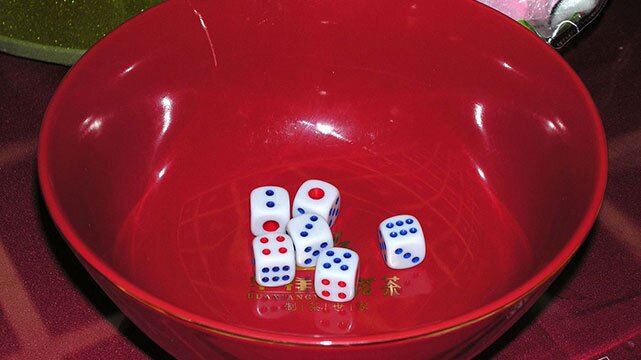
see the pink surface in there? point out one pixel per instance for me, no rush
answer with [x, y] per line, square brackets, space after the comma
[516, 9]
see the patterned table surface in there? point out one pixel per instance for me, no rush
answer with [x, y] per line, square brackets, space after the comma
[50, 308]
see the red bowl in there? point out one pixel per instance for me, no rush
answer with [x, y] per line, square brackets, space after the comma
[442, 109]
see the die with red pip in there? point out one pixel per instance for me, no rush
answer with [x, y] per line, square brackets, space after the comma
[269, 206]
[274, 260]
[336, 274]
[319, 197]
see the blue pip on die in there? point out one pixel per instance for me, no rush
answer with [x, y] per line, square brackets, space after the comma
[401, 241]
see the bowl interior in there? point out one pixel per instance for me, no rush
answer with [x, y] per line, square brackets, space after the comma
[448, 112]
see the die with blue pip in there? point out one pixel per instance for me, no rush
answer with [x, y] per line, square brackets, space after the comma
[401, 241]
[311, 235]
[269, 210]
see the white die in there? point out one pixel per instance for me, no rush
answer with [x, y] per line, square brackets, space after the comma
[318, 197]
[273, 259]
[402, 242]
[336, 275]
[269, 207]
[311, 235]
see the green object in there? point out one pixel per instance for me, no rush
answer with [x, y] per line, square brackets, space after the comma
[61, 31]
[528, 26]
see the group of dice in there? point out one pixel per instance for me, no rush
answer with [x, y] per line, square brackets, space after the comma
[305, 239]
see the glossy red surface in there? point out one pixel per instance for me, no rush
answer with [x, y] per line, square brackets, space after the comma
[154, 140]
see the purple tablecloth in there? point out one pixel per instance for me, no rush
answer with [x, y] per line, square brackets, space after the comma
[50, 308]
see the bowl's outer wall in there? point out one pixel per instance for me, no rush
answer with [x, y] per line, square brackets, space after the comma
[185, 340]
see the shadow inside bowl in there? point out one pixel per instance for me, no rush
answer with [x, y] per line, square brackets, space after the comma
[87, 286]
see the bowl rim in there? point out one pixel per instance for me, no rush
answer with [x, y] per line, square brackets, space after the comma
[154, 303]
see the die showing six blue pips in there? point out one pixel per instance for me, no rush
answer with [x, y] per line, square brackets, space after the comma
[304, 239]
[401, 241]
